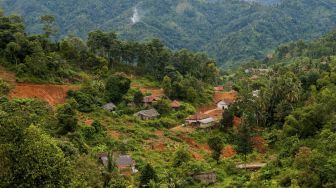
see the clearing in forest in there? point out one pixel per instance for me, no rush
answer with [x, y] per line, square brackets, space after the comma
[53, 94]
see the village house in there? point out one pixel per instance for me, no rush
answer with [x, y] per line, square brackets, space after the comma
[252, 166]
[200, 120]
[206, 177]
[148, 100]
[175, 104]
[109, 107]
[147, 114]
[103, 157]
[224, 104]
[124, 163]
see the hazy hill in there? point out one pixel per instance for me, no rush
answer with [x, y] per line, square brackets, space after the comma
[229, 30]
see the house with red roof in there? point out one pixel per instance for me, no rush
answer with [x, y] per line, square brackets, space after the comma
[200, 120]
[148, 100]
[175, 104]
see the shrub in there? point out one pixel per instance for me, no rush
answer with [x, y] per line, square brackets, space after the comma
[4, 88]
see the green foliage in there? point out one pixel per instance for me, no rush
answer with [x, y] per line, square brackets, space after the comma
[67, 118]
[181, 156]
[85, 102]
[148, 174]
[206, 25]
[216, 145]
[117, 86]
[43, 163]
[138, 98]
[49, 28]
[227, 120]
[163, 106]
[4, 88]
[243, 138]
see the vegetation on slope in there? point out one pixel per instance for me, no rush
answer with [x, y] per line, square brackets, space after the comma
[289, 123]
[230, 31]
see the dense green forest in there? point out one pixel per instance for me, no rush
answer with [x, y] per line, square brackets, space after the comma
[285, 106]
[229, 30]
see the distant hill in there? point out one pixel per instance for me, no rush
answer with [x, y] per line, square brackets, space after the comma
[229, 30]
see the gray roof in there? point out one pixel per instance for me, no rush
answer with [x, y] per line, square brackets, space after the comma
[109, 106]
[124, 160]
[207, 120]
[148, 113]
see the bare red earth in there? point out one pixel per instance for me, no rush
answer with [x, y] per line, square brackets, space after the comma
[229, 151]
[259, 143]
[88, 122]
[197, 156]
[236, 122]
[53, 94]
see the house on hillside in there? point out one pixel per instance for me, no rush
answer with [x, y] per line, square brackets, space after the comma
[206, 177]
[147, 114]
[109, 107]
[175, 104]
[252, 166]
[224, 104]
[148, 100]
[124, 163]
[103, 157]
[219, 88]
[200, 120]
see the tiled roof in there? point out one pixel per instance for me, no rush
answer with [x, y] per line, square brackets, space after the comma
[149, 113]
[175, 104]
[124, 160]
[198, 116]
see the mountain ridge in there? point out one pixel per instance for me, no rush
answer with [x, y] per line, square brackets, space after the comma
[230, 31]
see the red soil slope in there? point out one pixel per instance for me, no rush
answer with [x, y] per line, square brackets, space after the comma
[53, 94]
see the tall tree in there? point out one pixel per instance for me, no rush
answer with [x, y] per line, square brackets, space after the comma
[67, 118]
[49, 27]
[227, 120]
[243, 138]
[116, 86]
[148, 174]
[216, 145]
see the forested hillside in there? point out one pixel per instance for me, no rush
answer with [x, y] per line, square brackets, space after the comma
[138, 114]
[229, 30]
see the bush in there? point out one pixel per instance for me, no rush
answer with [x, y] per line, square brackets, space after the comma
[116, 86]
[286, 181]
[4, 88]
[67, 118]
[86, 102]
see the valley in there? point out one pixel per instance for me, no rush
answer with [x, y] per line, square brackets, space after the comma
[121, 109]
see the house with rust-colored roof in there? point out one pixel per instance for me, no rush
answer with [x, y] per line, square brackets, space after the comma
[175, 104]
[148, 100]
[200, 120]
